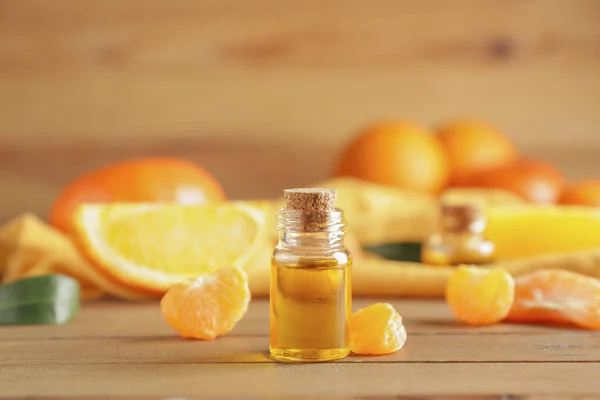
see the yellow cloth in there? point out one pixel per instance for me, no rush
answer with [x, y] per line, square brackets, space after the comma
[379, 214]
[29, 247]
[376, 215]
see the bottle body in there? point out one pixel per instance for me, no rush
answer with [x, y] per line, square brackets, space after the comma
[461, 239]
[310, 296]
[456, 249]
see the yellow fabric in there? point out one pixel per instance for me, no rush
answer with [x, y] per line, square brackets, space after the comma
[376, 215]
[30, 247]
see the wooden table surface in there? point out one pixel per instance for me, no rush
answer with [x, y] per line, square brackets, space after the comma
[126, 351]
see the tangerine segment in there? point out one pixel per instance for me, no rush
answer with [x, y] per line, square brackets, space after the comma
[153, 246]
[557, 296]
[207, 306]
[479, 296]
[376, 329]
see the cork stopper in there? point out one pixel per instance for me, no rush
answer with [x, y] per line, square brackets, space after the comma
[462, 217]
[315, 204]
[310, 199]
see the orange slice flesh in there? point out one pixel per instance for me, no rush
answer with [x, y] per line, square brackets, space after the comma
[208, 306]
[557, 296]
[153, 246]
[376, 329]
[480, 296]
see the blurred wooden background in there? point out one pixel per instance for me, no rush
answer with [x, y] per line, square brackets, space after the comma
[263, 93]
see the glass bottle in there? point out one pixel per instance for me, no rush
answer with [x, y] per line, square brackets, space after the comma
[310, 296]
[461, 239]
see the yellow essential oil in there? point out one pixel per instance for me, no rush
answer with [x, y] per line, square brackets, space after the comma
[311, 299]
[461, 239]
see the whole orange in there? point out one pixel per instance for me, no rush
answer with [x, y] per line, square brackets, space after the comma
[533, 180]
[138, 180]
[586, 193]
[396, 153]
[473, 147]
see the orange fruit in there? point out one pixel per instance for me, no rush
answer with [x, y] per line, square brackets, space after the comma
[557, 296]
[397, 153]
[480, 296]
[376, 329]
[535, 181]
[153, 246]
[139, 180]
[473, 147]
[586, 193]
[207, 306]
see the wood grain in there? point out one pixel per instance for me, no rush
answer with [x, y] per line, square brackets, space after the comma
[348, 397]
[170, 349]
[130, 320]
[273, 380]
[83, 68]
[125, 349]
[253, 91]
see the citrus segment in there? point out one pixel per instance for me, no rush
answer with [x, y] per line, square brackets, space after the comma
[152, 246]
[376, 329]
[479, 296]
[557, 296]
[207, 306]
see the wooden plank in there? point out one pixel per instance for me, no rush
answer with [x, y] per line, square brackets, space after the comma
[322, 107]
[124, 349]
[170, 349]
[104, 70]
[143, 320]
[250, 91]
[275, 380]
[32, 176]
[298, 33]
[349, 397]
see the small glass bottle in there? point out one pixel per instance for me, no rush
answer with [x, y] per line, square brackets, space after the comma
[461, 239]
[311, 298]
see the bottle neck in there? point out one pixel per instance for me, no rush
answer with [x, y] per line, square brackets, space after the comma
[315, 231]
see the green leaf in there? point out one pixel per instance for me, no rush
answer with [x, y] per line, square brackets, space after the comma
[408, 251]
[46, 299]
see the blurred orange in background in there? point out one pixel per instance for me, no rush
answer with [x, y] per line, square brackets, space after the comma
[399, 153]
[137, 180]
[460, 154]
[474, 147]
[536, 181]
[585, 193]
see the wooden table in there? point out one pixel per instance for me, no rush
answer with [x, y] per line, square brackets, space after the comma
[126, 351]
